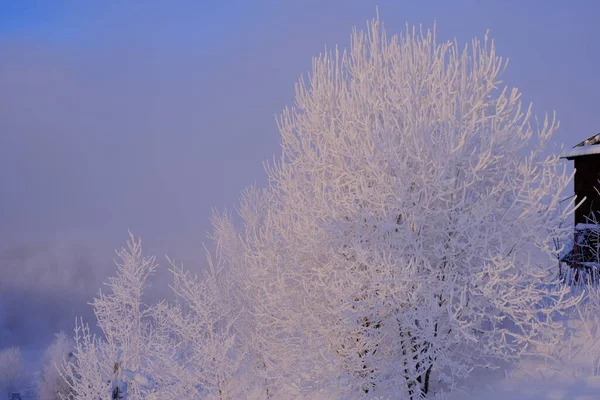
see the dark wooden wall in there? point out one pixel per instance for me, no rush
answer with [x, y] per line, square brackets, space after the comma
[587, 175]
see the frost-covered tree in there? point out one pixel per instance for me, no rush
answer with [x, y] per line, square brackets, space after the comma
[182, 350]
[12, 369]
[58, 355]
[406, 232]
[130, 341]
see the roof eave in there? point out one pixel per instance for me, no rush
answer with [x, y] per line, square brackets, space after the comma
[581, 152]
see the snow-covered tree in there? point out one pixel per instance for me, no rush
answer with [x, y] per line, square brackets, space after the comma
[129, 336]
[185, 350]
[406, 233]
[12, 369]
[58, 355]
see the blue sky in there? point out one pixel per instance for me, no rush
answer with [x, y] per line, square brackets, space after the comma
[144, 115]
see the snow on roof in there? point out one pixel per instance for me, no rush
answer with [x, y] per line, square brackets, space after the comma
[588, 147]
[582, 226]
[581, 151]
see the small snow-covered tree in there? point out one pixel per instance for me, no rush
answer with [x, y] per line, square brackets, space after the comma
[12, 369]
[58, 355]
[185, 350]
[129, 335]
[407, 230]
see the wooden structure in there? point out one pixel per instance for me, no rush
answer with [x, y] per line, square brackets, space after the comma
[586, 156]
[583, 253]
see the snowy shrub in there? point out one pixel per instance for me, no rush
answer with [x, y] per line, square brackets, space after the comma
[581, 254]
[406, 233]
[12, 369]
[58, 355]
[577, 354]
